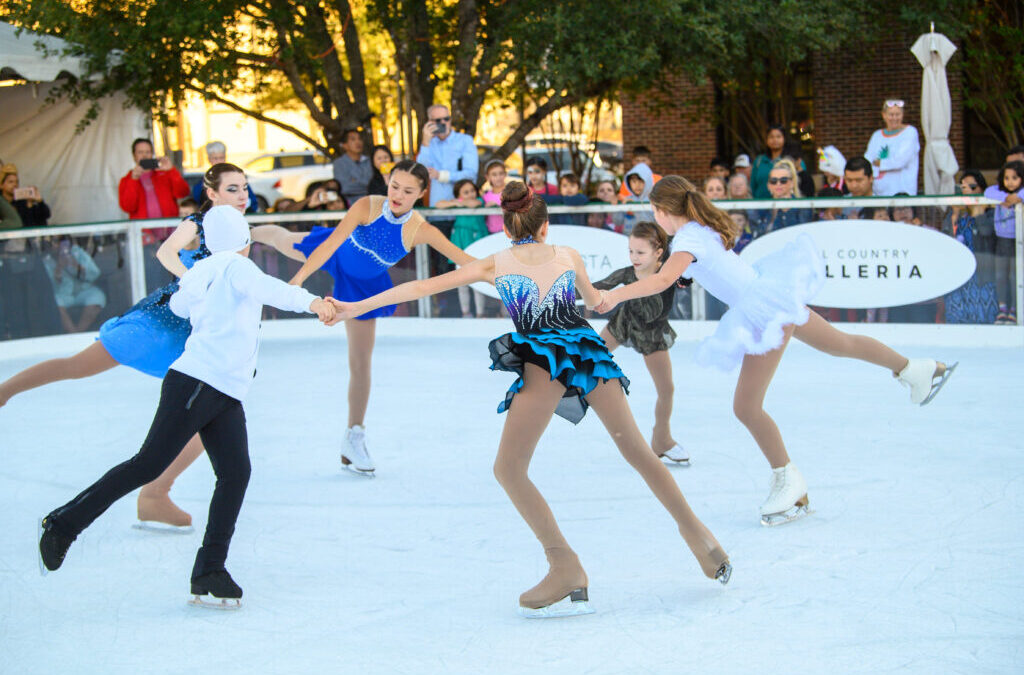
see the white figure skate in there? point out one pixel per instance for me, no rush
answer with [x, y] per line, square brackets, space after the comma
[920, 376]
[354, 456]
[574, 604]
[787, 500]
[676, 456]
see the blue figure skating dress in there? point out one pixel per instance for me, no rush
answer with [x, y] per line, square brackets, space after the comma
[360, 265]
[550, 332]
[149, 337]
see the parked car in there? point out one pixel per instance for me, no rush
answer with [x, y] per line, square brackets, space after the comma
[290, 172]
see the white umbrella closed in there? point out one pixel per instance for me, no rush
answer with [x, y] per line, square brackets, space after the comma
[933, 50]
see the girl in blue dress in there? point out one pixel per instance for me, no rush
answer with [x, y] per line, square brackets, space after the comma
[148, 337]
[563, 368]
[376, 233]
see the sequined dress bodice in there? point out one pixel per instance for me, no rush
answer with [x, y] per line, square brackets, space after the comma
[373, 248]
[520, 286]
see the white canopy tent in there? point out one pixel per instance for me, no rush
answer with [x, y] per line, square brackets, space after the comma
[76, 173]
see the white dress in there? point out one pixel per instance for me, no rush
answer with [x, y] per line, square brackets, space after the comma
[763, 298]
[898, 161]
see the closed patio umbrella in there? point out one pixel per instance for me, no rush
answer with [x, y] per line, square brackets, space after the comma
[933, 50]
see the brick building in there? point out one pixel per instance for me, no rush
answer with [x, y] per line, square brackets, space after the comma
[846, 95]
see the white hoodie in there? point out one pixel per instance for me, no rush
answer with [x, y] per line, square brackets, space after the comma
[223, 297]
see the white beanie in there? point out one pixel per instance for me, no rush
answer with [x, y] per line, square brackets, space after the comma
[830, 160]
[225, 230]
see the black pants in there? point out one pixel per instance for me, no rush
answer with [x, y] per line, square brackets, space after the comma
[187, 406]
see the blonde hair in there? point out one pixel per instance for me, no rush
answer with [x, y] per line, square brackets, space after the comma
[679, 197]
[790, 167]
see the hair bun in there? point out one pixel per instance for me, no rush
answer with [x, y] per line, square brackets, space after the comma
[515, 200]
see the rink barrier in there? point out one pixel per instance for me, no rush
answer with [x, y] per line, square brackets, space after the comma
[133, 231]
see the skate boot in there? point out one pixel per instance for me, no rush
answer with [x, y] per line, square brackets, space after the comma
[53, 545]
[563, 592]
[354, 456]
[160, 514]
[220, 586]
[920, 375]
[787, 499]
[676, 456]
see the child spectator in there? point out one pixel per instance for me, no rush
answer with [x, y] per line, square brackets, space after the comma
[537, 179]
[1007, 190]
[187, 207]
[641, 155]
[832, 165]
[496, 174]
[639, 183]
[830, 213]
[607, 192]
[569, 188]
[719, 168]
[465, 231]
[714, 187]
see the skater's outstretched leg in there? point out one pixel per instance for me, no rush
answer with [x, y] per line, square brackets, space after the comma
[918, 374]
[361, 336]
[281, 239]
[154, 503]
[92, 360]
[609, 402]
[748, 402]
[526, 420]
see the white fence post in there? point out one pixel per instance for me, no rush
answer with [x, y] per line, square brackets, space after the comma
[423, 272]
[1018, 215]
[136, 261]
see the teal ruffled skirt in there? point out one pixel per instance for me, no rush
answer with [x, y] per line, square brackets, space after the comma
[576, 357]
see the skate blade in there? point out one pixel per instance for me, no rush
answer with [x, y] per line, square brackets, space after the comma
[724, 573]
[938, 385]
[787, 516]
[215, 603]
[162, 528]
[39, 554]
[574, 604]
[349, 466]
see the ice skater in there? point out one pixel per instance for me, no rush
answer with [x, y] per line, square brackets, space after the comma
[642, 325]
[149, 337]
[222, 296]
[374, 235]
[564, 368]
[767, 305]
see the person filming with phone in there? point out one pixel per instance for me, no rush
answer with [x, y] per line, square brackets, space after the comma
[153, 186]
[26, 200]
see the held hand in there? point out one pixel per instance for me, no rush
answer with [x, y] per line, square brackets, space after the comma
[165, 164]
[324, 310]
[345, 311]
[608, 302]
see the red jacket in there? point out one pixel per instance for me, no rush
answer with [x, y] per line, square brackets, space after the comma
[169, 186]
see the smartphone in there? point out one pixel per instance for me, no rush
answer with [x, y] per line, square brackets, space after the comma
[24, 193]
[149, 164]
[330, 196]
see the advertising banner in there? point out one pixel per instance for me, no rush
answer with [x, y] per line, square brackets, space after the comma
[870, 263]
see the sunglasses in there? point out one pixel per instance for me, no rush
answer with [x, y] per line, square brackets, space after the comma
[969, 186]
[894, 102]
[534, 170]
[439, 120]
[777, 181]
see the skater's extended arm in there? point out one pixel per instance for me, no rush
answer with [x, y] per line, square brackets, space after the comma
[477, 270]
[432, 237]
[616, 278]
[358, 215]
[249, 280]
[167, 254]
[656, 283]
[591, 296]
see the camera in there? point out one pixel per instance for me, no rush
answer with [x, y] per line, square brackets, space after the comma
[149, 164]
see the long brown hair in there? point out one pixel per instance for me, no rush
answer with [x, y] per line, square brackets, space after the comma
[212, 180]
[679, 197]
[523, 211]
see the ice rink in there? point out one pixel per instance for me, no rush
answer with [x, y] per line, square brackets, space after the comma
[910, 563]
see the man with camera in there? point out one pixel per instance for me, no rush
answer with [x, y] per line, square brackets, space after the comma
[153, 187]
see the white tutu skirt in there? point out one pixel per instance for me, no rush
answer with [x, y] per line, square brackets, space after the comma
[786, 281]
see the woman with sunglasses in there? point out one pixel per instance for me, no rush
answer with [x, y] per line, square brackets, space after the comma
[782, 184]
[974, 227]
[893, 152]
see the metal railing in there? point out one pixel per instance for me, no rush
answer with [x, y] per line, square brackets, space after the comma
[128, 237]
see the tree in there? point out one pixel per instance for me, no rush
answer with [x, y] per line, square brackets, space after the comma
[229, 51]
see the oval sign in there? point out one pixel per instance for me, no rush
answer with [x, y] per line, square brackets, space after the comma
[871, 263]
[603, 251]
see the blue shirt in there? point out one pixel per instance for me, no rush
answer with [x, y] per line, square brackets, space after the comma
[455, 154]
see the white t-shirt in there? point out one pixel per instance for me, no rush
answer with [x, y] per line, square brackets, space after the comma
[722, 273]
[898, 161]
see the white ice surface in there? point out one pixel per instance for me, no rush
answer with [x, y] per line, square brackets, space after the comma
[911, 561]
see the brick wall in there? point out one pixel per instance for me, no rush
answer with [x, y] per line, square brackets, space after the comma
[848, 94]
[681, 141]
